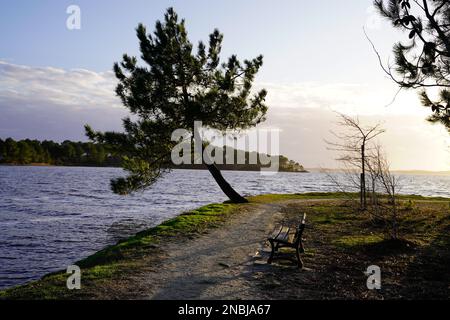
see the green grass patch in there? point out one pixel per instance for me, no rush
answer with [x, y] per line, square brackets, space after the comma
[358, 240]
[325, 216]
[421, 198]
[269, 198]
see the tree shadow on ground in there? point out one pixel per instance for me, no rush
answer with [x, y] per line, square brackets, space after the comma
[427, 276]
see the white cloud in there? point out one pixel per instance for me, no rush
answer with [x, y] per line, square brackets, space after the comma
[410, 142]
[73, 88]
[305, 113]
[348, 98]
[52, 103]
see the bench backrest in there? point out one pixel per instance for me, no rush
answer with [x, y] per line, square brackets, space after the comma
[301, 227]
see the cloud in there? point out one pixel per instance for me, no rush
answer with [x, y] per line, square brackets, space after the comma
[351, 98]
[306, 114]
[75, 88]
[52, 103]
[410, 142]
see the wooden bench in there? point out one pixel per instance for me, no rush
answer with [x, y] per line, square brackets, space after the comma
[290, 237]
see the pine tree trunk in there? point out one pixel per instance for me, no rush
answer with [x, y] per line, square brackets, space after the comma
[232, 194]
[224, 185]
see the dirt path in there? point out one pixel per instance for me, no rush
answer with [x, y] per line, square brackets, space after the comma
[216, 265]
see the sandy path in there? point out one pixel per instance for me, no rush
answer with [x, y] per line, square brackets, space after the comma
[216, 265]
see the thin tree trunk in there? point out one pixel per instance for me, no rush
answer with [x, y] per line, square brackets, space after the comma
[373, 192]
[395, 223]
[363, 177]
[361, 192]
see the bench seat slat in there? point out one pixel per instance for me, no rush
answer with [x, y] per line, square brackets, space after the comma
[283, 236]
[276, 232]
[291, 237]
[290, 241]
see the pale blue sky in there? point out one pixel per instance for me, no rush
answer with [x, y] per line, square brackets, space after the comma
[301, 40]
[316, 60]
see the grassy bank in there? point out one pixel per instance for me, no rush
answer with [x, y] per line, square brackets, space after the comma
[337, 232]
[120, 259]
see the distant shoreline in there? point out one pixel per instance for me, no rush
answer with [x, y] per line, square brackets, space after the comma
[414, 172]
[28, 165]
[307, 170]
[179, 168]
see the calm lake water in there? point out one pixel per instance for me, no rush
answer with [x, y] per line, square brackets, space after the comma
[51, 217]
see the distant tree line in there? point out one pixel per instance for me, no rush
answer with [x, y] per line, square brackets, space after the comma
[69, 153]
[290, 165]
[49, 152]
[285, 165]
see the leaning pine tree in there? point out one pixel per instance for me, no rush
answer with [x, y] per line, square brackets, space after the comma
[175, 88]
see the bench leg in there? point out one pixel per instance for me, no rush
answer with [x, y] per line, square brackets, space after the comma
[299, 260]
[271, 253]
[302, 248]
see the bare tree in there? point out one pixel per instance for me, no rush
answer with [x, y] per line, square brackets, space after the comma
[352, 145]
[385, 182]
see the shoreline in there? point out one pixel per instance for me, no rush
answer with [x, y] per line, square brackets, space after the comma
[307, 170]
[94, 166]
[134, 253]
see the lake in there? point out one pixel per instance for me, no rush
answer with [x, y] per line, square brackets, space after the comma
[51, 217]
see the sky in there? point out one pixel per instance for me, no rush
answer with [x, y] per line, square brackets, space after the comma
[316, 61]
